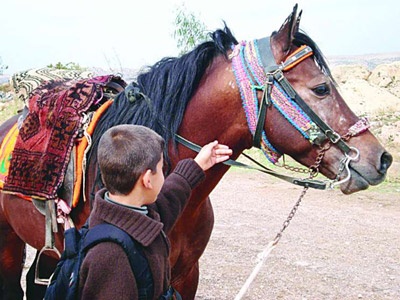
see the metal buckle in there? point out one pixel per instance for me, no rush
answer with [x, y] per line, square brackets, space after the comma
[333, 136]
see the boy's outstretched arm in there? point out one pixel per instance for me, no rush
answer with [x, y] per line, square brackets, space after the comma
[212, 154]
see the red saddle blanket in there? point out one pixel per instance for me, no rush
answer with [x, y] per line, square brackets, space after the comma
[47, 135]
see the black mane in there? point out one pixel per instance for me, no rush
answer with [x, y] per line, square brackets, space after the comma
[169, 84]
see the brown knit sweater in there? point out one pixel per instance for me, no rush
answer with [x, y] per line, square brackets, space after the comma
[105, 271]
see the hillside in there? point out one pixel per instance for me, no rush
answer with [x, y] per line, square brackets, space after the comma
[371, 61]
[375, 93]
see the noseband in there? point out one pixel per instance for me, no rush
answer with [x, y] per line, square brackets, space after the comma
[255, 70]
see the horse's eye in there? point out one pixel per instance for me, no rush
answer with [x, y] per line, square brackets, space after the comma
[321, 90]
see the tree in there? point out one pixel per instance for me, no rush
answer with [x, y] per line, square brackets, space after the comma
[67, 66]
[2, 66]
[189, 31]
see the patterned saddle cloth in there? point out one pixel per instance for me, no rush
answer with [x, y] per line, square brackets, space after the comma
[49, 132]
[25, 82]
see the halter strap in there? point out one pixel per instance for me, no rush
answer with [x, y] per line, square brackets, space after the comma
[251, 78]
[296, 57]
[275, 76]
[268, 60]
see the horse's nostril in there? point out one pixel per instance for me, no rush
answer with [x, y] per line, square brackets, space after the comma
[386, 161]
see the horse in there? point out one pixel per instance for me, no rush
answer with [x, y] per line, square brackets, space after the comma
[275, 93]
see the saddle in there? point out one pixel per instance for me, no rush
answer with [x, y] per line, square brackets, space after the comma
[59, 113]
[50, 141]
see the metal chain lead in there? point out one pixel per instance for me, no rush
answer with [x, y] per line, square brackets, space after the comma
[290, 216]
[296, 169]
[313, 170]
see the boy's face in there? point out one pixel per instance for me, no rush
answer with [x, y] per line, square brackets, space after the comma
[157, 179]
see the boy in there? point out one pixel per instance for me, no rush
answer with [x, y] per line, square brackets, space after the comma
[131, 161]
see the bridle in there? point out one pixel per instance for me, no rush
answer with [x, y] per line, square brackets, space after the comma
[261, 73]
[256, 70]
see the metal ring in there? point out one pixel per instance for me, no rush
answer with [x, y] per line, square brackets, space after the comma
[357, 152]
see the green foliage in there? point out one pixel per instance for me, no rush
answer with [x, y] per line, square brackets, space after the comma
[189, 31]
[67, 66]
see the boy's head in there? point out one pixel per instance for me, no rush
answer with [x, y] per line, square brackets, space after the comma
[124, 153]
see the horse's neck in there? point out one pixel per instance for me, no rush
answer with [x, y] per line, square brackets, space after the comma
[215, 113]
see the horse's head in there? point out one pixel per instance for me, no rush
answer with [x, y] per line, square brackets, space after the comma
[305, 116]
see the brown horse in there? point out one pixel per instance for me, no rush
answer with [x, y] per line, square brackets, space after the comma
[202, 96]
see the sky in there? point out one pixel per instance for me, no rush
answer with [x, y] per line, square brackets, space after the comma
[133, 34]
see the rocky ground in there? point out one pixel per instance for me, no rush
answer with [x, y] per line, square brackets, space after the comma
[336, 246]
[376, 94]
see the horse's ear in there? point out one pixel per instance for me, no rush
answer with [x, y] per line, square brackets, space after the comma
[296, 28]
[282, 40]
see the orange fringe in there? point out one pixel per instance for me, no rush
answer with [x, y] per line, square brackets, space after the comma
[6, 150]
[80, 150]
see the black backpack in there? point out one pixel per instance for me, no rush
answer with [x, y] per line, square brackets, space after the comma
[65, 279]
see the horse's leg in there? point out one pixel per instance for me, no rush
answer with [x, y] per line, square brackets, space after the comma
[11, 263]
[47, 265]
[185, 261]
[187, 286]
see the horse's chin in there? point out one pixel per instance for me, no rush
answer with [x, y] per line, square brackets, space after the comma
[357, 183]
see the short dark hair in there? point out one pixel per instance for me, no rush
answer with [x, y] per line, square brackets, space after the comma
[124, 153]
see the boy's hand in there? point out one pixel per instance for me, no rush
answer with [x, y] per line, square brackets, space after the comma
[212, 154]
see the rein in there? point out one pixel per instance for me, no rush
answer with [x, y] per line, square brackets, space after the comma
[309, 182]
[316, 184]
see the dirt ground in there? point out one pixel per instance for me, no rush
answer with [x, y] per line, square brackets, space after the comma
[336, 246]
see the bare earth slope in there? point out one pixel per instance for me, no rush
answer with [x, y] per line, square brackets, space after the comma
[336, 246]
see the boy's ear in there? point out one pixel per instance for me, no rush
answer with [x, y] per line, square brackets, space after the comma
[146, 179]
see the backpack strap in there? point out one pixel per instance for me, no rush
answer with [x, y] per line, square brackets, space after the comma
[109, 233]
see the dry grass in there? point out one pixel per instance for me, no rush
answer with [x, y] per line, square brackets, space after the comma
[9, 109]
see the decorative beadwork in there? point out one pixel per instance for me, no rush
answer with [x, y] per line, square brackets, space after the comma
[359, 127]
[250, 77]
